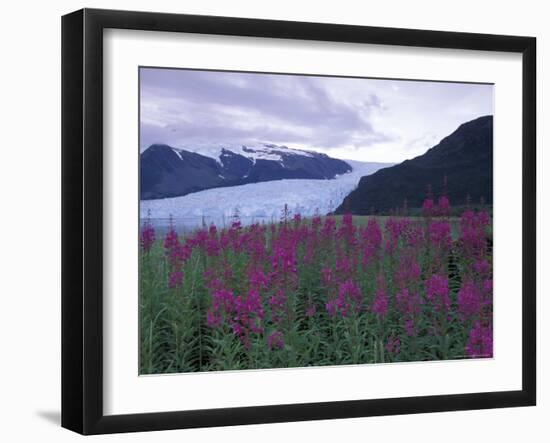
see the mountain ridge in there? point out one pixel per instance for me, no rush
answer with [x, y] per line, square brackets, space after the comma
[166, 171]
[460, 166]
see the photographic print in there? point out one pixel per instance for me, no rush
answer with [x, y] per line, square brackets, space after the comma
[292, 220]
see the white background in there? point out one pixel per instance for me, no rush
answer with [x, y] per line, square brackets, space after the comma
[30, 241]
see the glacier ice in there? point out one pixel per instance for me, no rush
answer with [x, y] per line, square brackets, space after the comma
[256, 202]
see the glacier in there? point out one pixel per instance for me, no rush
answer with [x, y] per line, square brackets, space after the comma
[256, 202]
[253, 151]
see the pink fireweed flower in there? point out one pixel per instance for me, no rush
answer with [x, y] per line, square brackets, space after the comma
[179, 254]
[223, 299]
[147, 236]
[372, 240]
[276, 340]
[349, 299]
[176, 252]
[257, 279]
[408, 272]
[381, 302]
[236, 225]
[483, 218]
[248, 308]
[437, 292]
[240, 332]
[212, 282]
[243, 314]
[311, 247]
[410, 327]
[212, 247]
[331, 307]
[256, 249]
[213, 320]
[222, 307]
[482, 267]
[347, 219]
[428, 207]
[469, 300]
[316, 221]
[472, 233]
[349, 291]
[415, 237]
[225, 240]
[440, 234]
[444, 206]
[393, 345]
[171, 240]
[347, 230]
[234, 236]
[199, 239]
[254, 243]
[278, 306]
[175, 279]
[480, 343]
[408, 302]
[395, 228]
[344, 267]
[372, 236]
[391, 246]
[402, 298]
[227, 272]
[284, 255]
[329, 227]
[369, 255]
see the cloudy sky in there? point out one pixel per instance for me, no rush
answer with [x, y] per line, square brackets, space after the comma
[356, 119]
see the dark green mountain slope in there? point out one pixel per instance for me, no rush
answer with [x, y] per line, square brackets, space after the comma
[465, 158]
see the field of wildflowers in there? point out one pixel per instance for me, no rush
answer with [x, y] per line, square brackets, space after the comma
[317, 291]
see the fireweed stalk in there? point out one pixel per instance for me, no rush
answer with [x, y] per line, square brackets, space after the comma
[147, 235]
[317, 291]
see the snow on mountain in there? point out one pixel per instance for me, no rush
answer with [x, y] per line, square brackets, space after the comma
[166, 171]
[252, 151]
[257, 202]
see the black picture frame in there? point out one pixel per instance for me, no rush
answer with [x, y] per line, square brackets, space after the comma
[82, 216]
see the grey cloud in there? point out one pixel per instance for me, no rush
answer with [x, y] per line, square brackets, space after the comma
[189, 106]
